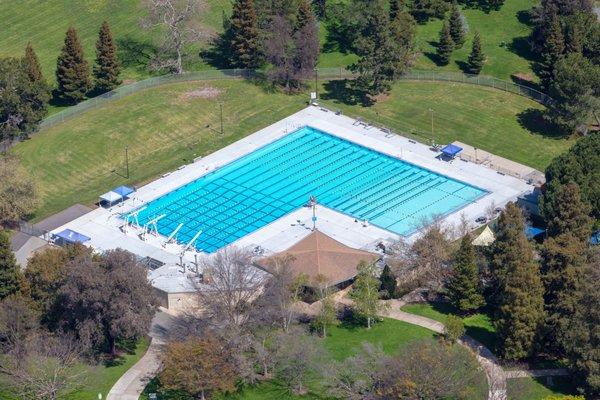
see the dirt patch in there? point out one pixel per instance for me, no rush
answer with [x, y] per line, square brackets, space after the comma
[201, 93]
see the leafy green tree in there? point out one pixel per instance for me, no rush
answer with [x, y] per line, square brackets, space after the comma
[395, 7]
[365, 293]
[382, 59]
[445, 45]
[580, 165]
[72, 70]
[245, 41]
[565, 212]
[463, 287]
[326, 317]
[564, 261]
[106, 70]
[10, 276]
[552, 50]
[519, 315]
[454, 328]
[575, 88]
[423, 10]
[476, 58]
[457, 29]
[23, 96]
[388, 283]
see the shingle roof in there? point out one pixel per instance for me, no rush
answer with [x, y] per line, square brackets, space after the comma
[320, 254]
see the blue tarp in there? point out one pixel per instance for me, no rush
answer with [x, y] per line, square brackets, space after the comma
[123, 191]
[595, 239]
[532, 231]
[451, 150]
[72, 237]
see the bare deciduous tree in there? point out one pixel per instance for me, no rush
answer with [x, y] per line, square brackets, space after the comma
[178, 19]
[229, 286]
[18, 322]
[49, 369]
[18, 192]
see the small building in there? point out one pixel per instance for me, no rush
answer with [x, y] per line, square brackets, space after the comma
[318, 254]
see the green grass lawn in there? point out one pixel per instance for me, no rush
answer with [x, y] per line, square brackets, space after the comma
[165, 127]
[44, 25]
[479, 326]
[503, 34]
[486, 118]
[101, 378]
[341, 342]
[538, 388]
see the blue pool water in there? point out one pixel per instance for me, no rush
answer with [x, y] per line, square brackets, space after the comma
[253, 191]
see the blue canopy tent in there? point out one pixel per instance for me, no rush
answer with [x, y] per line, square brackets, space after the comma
[116, 195]
[451, 150]
[69, 236]
[531, 231]
[595, 239]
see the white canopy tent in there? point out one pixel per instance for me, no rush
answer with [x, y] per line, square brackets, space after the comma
[485, 238]
[110, 197]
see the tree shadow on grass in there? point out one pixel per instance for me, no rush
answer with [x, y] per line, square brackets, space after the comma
[535, 122]
[521, 47]
[134, 53]
[342, 91]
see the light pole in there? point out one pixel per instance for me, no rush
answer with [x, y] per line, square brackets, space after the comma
[432, 134]
[317, 83]
[313, 204]
[221, 108]
[127, 160]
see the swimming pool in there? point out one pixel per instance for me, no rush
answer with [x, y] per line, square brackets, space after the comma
[255, 190]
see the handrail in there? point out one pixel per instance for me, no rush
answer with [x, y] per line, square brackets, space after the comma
[323, 73]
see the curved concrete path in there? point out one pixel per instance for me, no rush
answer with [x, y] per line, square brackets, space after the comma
[132, 383]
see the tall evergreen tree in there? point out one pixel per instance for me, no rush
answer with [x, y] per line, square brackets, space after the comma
[563, 266]
[463, 287]
[106, 70]
[520, 304]
[245, 43]
[10, 276]
[32, 65]
[457, 29]
[565, 212]
[573, 39]
[445, 45]
[553, 50]
[388, 282]
[476, 58]
[381, 57]
[72, 71]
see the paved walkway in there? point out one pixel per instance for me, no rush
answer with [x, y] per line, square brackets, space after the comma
[133, 382]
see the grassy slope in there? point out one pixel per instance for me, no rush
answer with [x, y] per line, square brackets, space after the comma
[503, 36]
[538, 388]
[73, 161]
[479, 326]
[482, 117]
[45, 23]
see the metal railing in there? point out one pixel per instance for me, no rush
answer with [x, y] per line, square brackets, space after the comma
[323, 74]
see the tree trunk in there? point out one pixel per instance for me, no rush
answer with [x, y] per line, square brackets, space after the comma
[179, 66]
[111, 346]
[368, 322]
[202, 395]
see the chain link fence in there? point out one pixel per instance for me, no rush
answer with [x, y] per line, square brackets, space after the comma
[320, 74]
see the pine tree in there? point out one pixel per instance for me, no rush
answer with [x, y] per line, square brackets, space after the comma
[32, 65]
[10, 277]
[476, 58]
[457, 30]
[40, 90]
[573, 39]
[445, 45]
[553, 49]
[106, 70]
[72, 71]
[519, 315]
[388, 282]
[463, 288]
[565, 212]
[563, 267]
[244, 35]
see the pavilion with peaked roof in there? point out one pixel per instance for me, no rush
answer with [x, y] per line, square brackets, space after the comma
[319, 254]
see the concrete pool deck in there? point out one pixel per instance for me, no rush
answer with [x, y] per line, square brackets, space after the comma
[103, 225]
